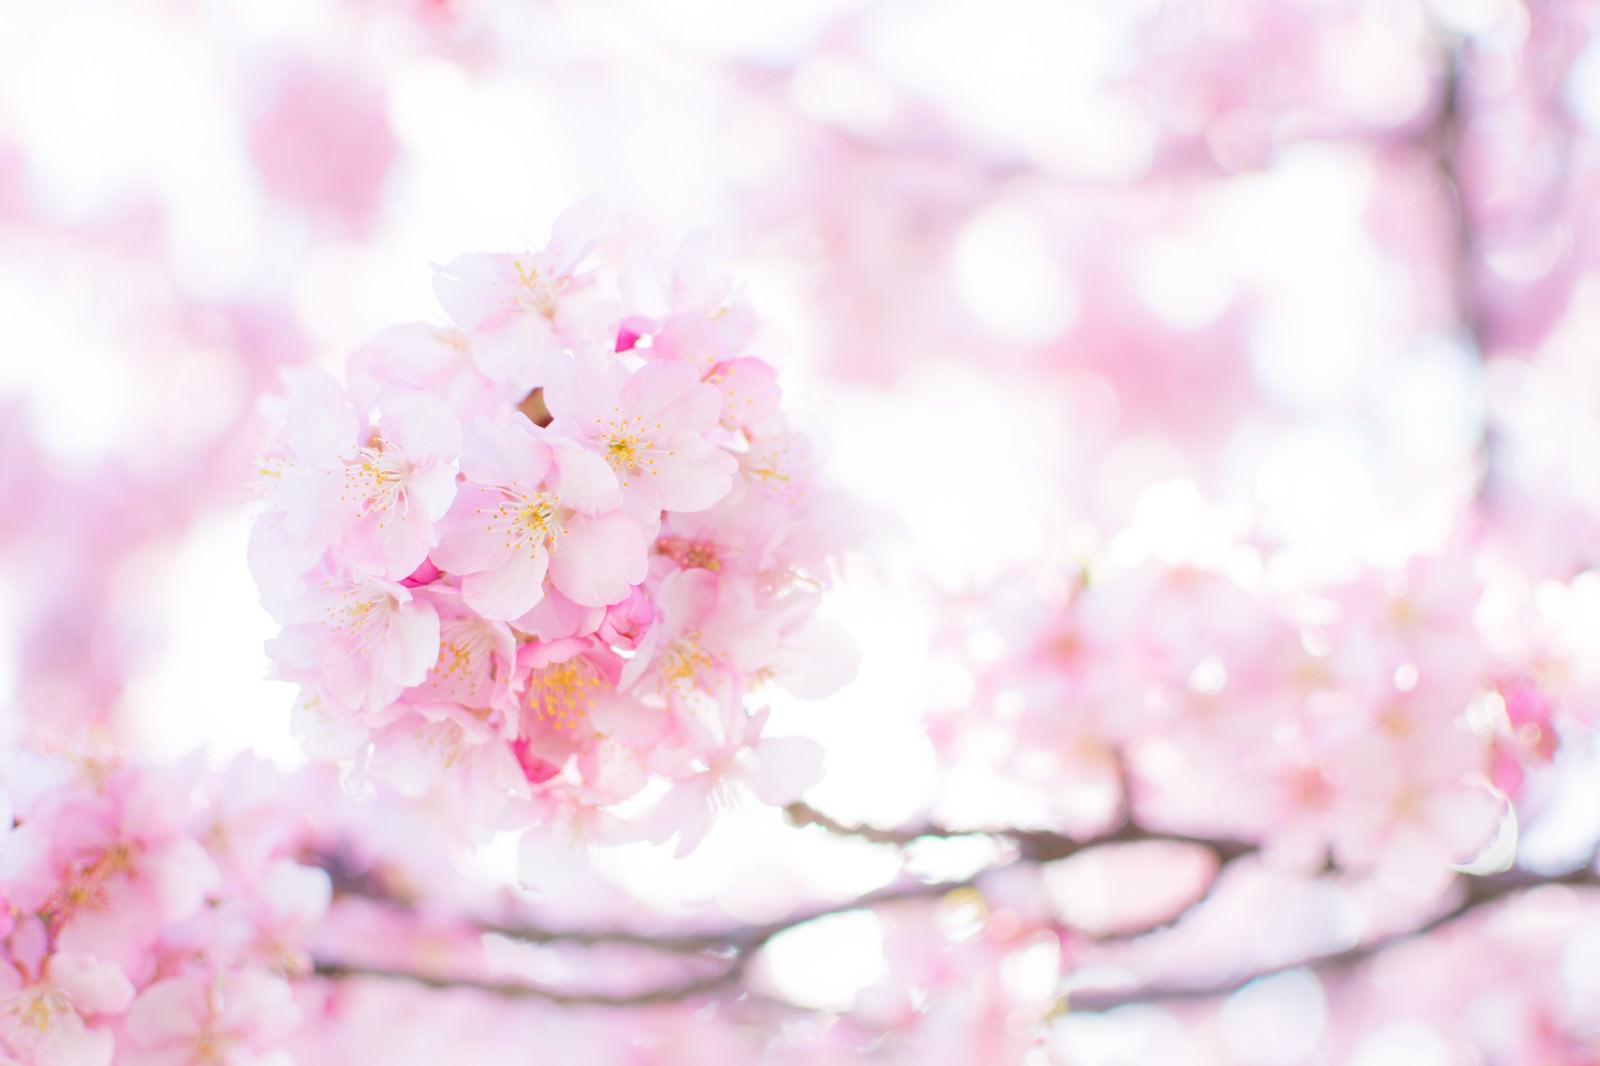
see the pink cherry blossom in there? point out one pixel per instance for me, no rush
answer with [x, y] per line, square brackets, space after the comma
[361, 639]
[536, 504]
[1232, 365]
[377, 493]
[233, 1019]
[775, 770]
[651, 426]
[523, 311]
[434, 359]
[47, 1018]
[476, 660]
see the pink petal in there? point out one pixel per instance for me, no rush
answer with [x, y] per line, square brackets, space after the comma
[389, 544]
[432, 489]
[555, 617]
[412, 353]
[309, 497]
[817, 660]
[750, 391]
[685, 599]
[697, 477]
[75, 1046]
[418, 423]
[467, 544]
[781, 768]
[627, 721]
[182, 873]
[96, 987]
[258, 1007]
[584, 388]
[574, 232]
[321, 422]
[301, 893]
[499, 455]
[168, 1012]
[325, 728]
[472, 287]
[411, 646]
[685, 810]
[599, 560]
[586, 482]
[670, 393]
[510, 590]
[521, 353]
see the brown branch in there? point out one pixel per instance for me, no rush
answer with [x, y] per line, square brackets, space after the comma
[507, 989]
[1033, 845]
[743, 941]
[1477, 893]
[740, 937]
[1448, 132]
[735, 947]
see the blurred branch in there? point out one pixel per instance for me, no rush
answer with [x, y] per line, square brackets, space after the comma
[507, 989]
[1476, 894]
[732, 949]
[743, 937]
[1041, 846]
[742, 941]
[1448, 133]
[1033, 845]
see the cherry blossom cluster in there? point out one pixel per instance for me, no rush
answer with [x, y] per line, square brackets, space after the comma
[1387, 724]
[553, 551]
[154, 917]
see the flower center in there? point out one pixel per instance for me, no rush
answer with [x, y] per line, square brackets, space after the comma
[684, 661]
[376, 479]
[536, 294]
[356, 616]
[627, 445]
[562, 692]
[526, 519]
[691, 554]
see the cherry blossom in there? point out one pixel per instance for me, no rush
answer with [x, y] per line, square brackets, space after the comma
[651, 426]
[524, 311]
[536, 504]
[1219, 385]
[235, 1019]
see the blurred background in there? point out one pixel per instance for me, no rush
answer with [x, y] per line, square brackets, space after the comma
[1051, 278]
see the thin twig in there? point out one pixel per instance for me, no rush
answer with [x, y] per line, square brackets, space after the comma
[1033, 845]
[1477, 893]
[508, 989]
[744, 941]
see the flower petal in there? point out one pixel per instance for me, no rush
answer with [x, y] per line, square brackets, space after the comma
[510, 590]
[599, 560]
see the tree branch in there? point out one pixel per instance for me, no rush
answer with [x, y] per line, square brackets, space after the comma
[1033, 845]
[740, 937]
[1448, 132]
[744, 941]
[1478, 893]
[734, 947]
[507, 989]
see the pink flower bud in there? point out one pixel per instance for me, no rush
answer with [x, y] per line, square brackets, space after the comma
[625, 622]
[426, 574]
